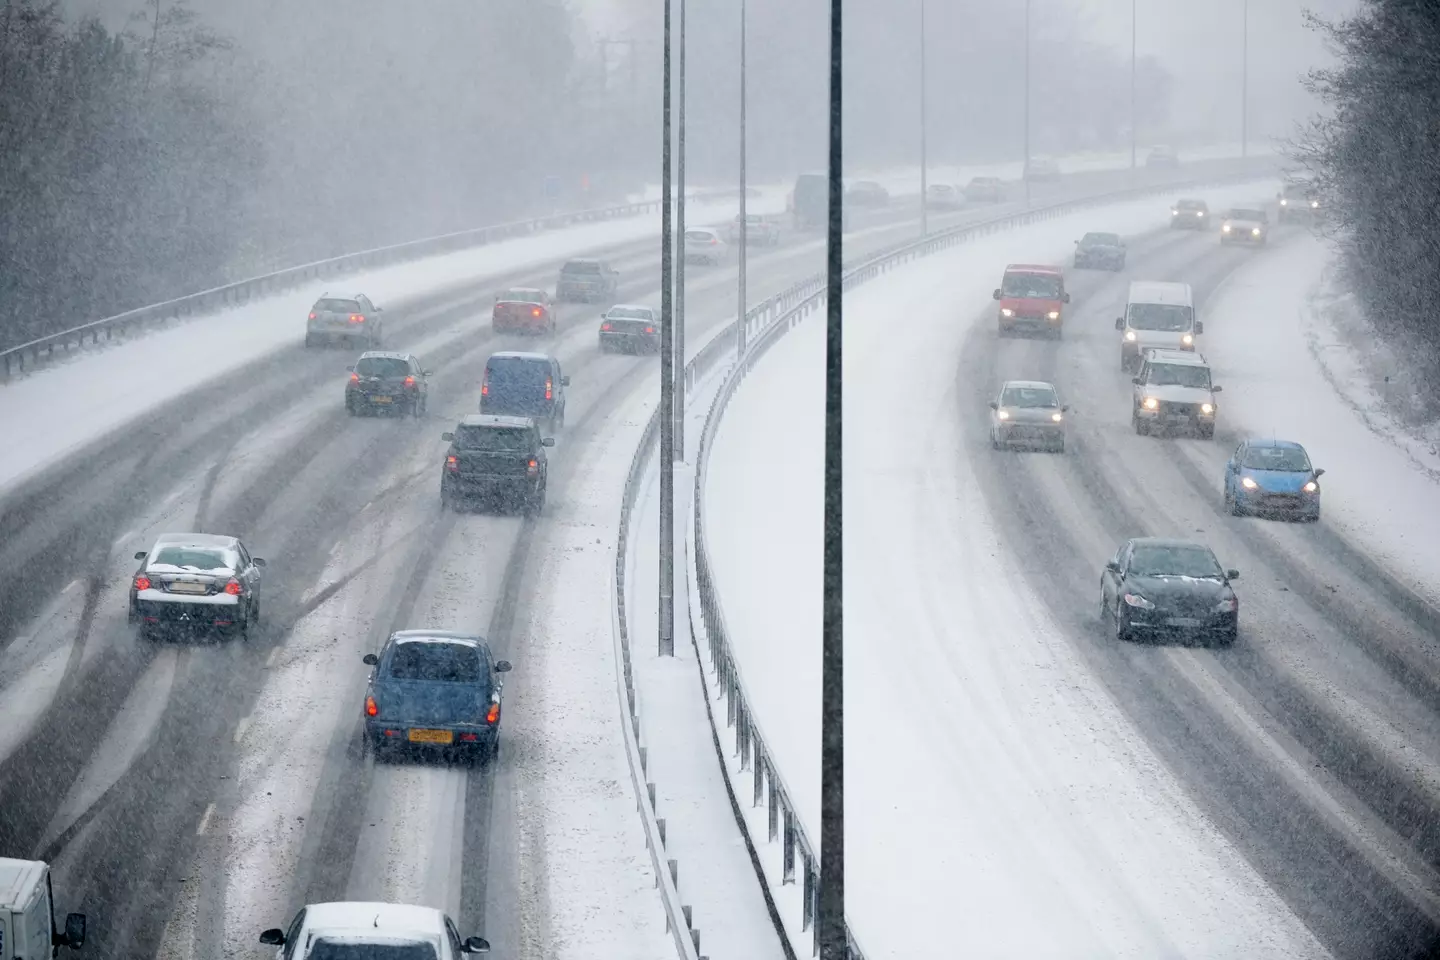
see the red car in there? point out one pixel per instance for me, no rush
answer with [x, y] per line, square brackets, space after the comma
[1032, 298]
[523, 310]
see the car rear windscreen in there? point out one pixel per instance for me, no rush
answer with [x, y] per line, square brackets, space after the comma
[496, 439]
[441, 662]
[324, 949]
[581, 269]
[522, 296]
[382, 367]
[193, 558]
[1038, 285]
[510, 372]
[629, 313]
[1101, 240]
[337, 306]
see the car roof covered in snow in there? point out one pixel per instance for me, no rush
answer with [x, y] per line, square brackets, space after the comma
[196, 540]
[494, 420]
[380, 921]
[519, 355]
[1027, 385]
[439, 636]
[1186, 358]
[1034, 268]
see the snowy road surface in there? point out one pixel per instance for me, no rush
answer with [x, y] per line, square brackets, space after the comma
[1276, 799]
[192, 795]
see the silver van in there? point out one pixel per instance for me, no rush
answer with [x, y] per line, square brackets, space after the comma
[1157, 315]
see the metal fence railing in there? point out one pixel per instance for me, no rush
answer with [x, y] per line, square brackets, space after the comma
[766, 324]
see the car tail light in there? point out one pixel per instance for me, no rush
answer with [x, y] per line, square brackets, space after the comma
[485, 389]
[372, 708]
[649, 329]
[549, 389]
[142, 583]
[357, 318]
[535, 312]
[233, 588]
[354, 378]
[532, 468]
[493, 714]
[312, 314]
[604, 326]
[452, 463]
[410, 382]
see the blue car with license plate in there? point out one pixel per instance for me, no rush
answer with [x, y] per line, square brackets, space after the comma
[435, 692]
[1272, 478]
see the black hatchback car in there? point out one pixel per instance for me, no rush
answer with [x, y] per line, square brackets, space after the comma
[495, 459]
[388, 382]
[434, 691]
[586, 280]
[1154, 586]
[520, 384]
[1100, 251]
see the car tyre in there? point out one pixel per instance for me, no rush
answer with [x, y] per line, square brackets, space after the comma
[535, 503]
[309, 340]
[1122, 632]
[1206, 432]
[1142, 429]
[1059, 446]
[1228, 636]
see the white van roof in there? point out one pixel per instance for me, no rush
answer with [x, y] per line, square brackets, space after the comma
[19, 879]
[1156, 291]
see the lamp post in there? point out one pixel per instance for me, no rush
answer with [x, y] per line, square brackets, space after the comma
[1134, 119]
[679, 450]
[667, 378]
[1025, 171]
[924, 133]
[744, 223]
[1245, 79]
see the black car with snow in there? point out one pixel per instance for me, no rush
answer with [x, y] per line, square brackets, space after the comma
[1189, 215]
[630, 328]
[1100, 251]
[585, 280]
[387, 383]
[1155, 587]
[195, 581]
[1298, 201]
[1245, 225]
[495, 459]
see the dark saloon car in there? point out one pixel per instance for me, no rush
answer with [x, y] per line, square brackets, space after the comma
[196, 581]
[434, 691]
[523, 310]
[495, 459]
[1155, 587]
[521, 384]
[387, 382]
[1100, 251]
[586, 280]
[1190, 215]
[627, 328]
[1272, 478]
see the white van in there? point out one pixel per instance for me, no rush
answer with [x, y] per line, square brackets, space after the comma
[1156, 315]
[27, 914]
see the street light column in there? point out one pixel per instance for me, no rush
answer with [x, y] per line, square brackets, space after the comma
[744, 223]
[924, 133]
[1245, 79]
[667, 380]
[680, 266]
[1025, 171]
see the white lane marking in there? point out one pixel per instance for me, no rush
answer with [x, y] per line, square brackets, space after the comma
[243, 725]
[270, 660]
[205, 821]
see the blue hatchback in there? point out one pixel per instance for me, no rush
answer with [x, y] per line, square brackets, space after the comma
[434, 691]
[1272, 478]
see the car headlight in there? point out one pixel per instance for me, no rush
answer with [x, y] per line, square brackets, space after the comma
[1256, 231]
[1249, 484]
[1150, 403]
[1187, 339]
[1228, 605]
[1284, 202]
[1135, 600]
[1314, 204]
[1057, 418]
[1225, 228]
[1053, 315]
[1207, 408]
[1003, 414]
[1311, 487]
[1130, 335]
[1006, 312]
[1174, 213]
[1199, 213]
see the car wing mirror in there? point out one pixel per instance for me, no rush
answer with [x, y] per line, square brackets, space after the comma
[547, 442]
[427, 373]
[994, 405]
[1119, 323]
[1216, 389]
[564, 381]
[1064, 408]
[258, 561]
[1112, 566]
[1065, 298]
[1318, 474]
[475, 945]
[1199, 327]
[448, 437]
[274, 936]
[996, 294]
[350, 369]
[141, 555]
[503, 666]
[1232, 574]
[74, 936]
[370, 659]
[1137, 380]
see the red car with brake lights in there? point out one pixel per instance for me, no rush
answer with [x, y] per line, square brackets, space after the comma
[523, 310]
[1032, 299]
[195, 581]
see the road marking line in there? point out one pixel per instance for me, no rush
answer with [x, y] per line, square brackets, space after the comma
[274, 655]
[205, 821]
[241, 727]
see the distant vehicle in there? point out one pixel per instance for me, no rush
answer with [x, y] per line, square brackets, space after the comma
[628, 328]
[758, 230]
[496, 460]
[197, 581]
[585, 280]
[703, 245]
[1157, 314]
[985, 190]
[1163, 157]
[810, 201]
[1042, 169]
[525, 385]
[1298, 202]
[387, 381]
[348, 320]
[27, 914]
[1155, 587]
[1173, 392]
[1189, 215]
[1032, 297]
[523, 310]
[1028, 413]
[370, 931]
[942, 196]
[1272, 478]
[1100, 251]
[1245, 226]
[867, 193]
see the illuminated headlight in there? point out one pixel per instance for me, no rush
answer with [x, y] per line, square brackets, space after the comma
[1228, 605]
[1207, 408]
[1057, 418]
[1249, 484]
[1314, 204]
[1150, 403]
[1187, 339]
[1256, 231]
[1199, 213]
[1284, 203]
[1225, 228]
[1053, 315]
[1311, 487]
[1003, 414]
[1130, 335]
[1135, 600]
[1006, 312]
[1174, 213]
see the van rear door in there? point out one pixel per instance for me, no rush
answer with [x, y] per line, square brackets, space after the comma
[520, 386]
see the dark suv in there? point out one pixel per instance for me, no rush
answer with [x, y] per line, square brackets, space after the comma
[586, 280]
[387, 381]
[495, 458]
[1298, 201]
[521, 384]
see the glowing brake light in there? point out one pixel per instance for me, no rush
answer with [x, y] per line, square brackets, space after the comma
[409, 381]
[357, 318]
[493, 714]
[649, 329]
[142, 583]
[312, 314]
[549, 389]
[532, 468]
[452, 463]
[485, 389]
[535, 312]
[605, 326]
[233, 588]
[371, 707]
[354, 378]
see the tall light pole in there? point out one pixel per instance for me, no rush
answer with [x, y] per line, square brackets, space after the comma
[830, 914]
[924, 152]
[1134, 118]
[1025, 171]
[679, 452]
[744, 223]
[1245, 79]
[667, 377]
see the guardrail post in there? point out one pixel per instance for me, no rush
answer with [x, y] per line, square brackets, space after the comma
[772, 819]
[787, 867]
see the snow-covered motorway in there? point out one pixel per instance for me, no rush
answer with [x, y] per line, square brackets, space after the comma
[1079, 796]
[193, 795]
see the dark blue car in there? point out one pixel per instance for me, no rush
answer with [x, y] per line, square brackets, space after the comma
[434, 691]
[1272, 478]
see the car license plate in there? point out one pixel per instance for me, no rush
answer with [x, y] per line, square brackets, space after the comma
[431, 736]
[185, 586]
[1183, 622]
[381, 399]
